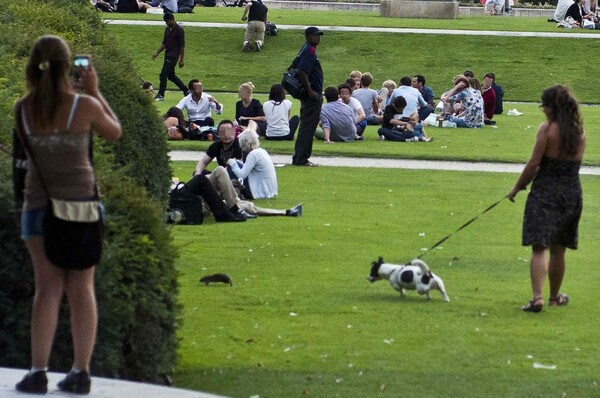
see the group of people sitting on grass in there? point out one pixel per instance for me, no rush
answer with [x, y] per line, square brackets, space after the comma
[402, 110]
[272, 120]
[577, 14]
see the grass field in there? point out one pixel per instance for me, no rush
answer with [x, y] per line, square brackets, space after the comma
[524, 66]
[301, 318]
[358, 18]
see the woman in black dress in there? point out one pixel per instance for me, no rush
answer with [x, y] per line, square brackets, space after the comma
[554, 204]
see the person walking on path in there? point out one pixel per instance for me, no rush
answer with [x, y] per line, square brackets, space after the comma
[57, 122]
[555, 202]
[310, 75]
[173, 45]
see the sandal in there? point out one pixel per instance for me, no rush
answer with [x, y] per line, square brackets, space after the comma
[534, 305]
[561, 299]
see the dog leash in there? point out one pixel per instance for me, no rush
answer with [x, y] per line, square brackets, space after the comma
[462, 227]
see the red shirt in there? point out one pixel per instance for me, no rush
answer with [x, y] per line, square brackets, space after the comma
[489, 103]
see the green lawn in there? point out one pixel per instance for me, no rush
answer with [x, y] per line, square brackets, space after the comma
[359, 18]
[524, 66]
[301, 318]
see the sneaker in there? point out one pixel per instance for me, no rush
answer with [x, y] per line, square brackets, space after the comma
[295, 211]
[35, 383]
[246, 214]
[78, 383]
[159, 98]
[246, 47]
[257, 47]
[360, 138]
[381, 138]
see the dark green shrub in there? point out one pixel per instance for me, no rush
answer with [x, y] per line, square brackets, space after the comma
[136, 281]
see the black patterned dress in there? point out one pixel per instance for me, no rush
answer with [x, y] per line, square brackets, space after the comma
[554, 205]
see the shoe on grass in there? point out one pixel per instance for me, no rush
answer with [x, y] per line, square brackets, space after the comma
[159, 98]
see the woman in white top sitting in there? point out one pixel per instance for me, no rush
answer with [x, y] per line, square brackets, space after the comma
[277, 113]
[258, 168]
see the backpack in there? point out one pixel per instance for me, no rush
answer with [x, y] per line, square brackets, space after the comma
[271, 29]
[184, 207]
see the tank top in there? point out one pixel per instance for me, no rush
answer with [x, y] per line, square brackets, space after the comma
[64, 162]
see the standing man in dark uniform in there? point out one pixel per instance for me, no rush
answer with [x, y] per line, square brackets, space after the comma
[310, 75]
[257, 22]
[173, 43]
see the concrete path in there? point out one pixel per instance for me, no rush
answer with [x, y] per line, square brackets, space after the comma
[370, 29]
[101, 388]
[281, 160]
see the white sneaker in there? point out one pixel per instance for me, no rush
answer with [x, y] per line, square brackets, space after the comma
[514, 112]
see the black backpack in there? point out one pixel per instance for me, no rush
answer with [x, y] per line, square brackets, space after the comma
[184, 207]
[271, 29]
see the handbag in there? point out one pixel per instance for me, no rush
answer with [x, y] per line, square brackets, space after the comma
[184, 207]
[290, 81]
[292, 85]
[73, 229]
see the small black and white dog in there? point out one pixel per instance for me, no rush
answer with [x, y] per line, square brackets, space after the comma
[412, 276]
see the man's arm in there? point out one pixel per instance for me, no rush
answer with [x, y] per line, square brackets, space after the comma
[160, 49]
[303, 78]
[216, 105]
[246, 9]
[202, 163]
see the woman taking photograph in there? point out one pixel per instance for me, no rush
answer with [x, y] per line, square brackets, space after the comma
[248, 108]
[555, 202]
[277, 113]
[57, 122]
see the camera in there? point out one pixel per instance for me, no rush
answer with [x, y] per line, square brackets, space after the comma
[80, 62]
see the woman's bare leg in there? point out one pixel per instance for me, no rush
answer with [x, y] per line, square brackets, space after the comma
[49, 287]
[82, 303]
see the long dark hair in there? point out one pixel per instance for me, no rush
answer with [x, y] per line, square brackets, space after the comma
[277, 95]
[47, 74]
[176, 113]
[564, 110]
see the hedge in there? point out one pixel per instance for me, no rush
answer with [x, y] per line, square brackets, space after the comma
[136, 282]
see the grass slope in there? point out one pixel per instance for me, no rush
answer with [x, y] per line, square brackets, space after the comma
[363, 19]
[301, 318]
[511, 141]
[524, 66]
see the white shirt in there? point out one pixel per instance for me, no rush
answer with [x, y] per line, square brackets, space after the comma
[413, 98]
[260, 171]
[198, 110]
[277, 117]
[355, 105]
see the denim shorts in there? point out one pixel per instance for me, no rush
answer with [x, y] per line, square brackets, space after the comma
[32, 223]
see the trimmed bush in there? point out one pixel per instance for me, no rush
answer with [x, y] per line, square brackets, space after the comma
[136, 282]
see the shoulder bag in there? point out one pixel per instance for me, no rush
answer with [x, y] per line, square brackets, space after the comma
[73, 229]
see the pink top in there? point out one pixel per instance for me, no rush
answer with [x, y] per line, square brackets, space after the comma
[64, 162]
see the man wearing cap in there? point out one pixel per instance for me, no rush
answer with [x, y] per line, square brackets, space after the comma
[310, 74]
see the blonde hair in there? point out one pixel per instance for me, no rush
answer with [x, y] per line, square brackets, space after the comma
[247, 87]
[389, 84]
[47, 75]
[355, 73]
[248, 140]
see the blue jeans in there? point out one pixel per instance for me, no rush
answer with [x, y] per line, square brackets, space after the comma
[395, 135]
[460, 122]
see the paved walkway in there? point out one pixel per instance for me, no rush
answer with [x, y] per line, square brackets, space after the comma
[392, 163]
[372, 30]
[101, 388]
